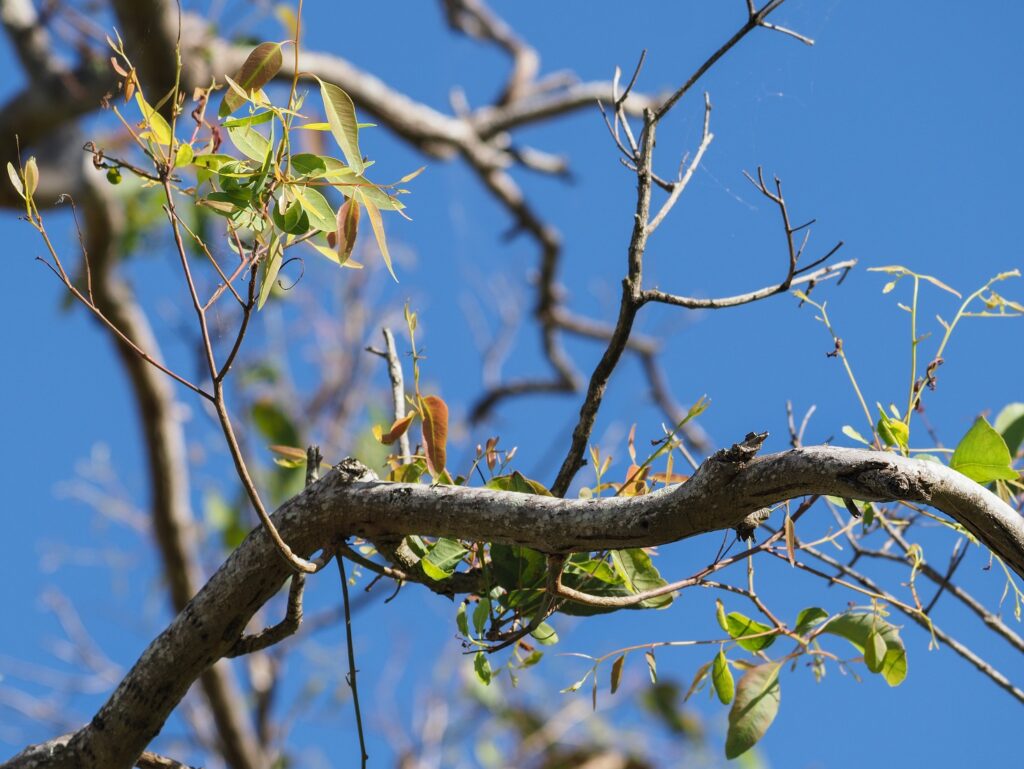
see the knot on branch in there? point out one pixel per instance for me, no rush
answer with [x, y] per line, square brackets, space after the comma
[882, 480]
[745, 529]
[354, 471]
[741, 453]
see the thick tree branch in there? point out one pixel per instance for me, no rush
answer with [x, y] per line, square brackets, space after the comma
[726, 488]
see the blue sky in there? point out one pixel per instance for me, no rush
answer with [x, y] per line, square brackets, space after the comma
[898, 131]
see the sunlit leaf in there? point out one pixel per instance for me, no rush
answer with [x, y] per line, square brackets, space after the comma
[398, 428]
[652, 666]
[754, 709]
[739, 627]
[640, 575]
[1010, 424]
[321, 215]
[808, 618]
[271, 265]
[341, 114]
[721, 678]
[857, 627]
[849, 432]
[482, 668]
[378, 231]
[12, 173]
[250, 142]
[982, 454]
[259, 68]
[544, 634]
[31, 176]
[154, 121]
[443, 558]
[434, 412]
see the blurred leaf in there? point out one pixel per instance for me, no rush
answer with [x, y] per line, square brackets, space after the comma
[274, 425]
[982, 455]
[616, 676]
[398, 428]
[482, 668]
[893, 432]
[1010, 424]
[754, 709]
[225, 519]
[849, 432]
[652, 666]
[259, 68]
[698, 680]
[544, 634]
[517, 482]
[12, 173]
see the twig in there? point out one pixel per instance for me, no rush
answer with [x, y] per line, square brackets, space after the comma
[352, 660]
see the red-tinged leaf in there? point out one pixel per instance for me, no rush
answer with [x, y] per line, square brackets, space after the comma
[617, 672]
[348, 227]
[435, 432]
[398, 428]
[258, 69]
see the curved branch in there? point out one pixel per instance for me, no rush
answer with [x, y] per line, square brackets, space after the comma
[726, 488]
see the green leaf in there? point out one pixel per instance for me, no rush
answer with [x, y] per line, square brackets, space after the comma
[293, 220]
[272, 261]
[341, 114]
[307, 164]
[544, 634]
[982, 455]
[443, 558]
[893, 432]
[1010, 424]
[347, 182]
[857, 627]
[184, 155]
[259, 68]
[250, 142]
[274, 424]
[321, 215]
[517, 482]
[754, 709]
[640, 575]
[721, 678]
[720, 616]
[482, 668]
[875, 651]
[739, 626]
[809, 618]
[461, 622]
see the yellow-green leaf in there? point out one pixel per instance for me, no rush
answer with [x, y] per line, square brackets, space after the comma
[341, 114]
[12, 172]
[154, 121]
[31, 176]
[319, 211]
[721, 678]
[982, 455]
[271, 266]
[378, 231]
